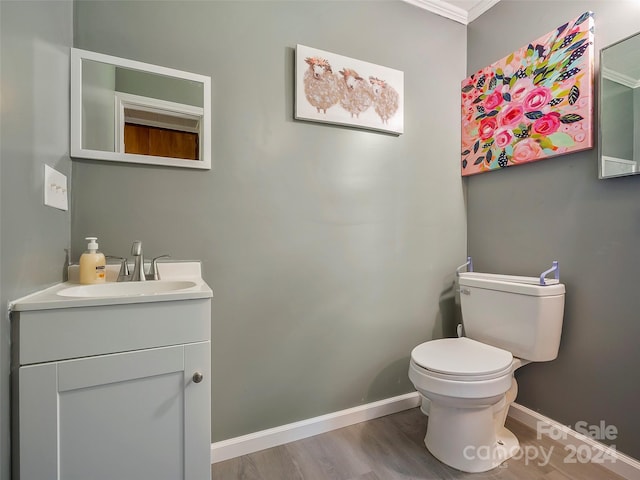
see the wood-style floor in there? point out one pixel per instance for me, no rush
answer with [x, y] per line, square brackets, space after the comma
[392, 447]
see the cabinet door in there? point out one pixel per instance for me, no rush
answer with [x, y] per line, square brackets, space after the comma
[136, 415]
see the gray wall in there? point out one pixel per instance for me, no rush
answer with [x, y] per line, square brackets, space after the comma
[617, 120]
[98, 109]
[327, 248]
[34, 130]
[636, 124]
[522, 218]
[157, 86]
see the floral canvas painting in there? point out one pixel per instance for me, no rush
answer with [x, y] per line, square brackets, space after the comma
[332, 88]
[533, 104]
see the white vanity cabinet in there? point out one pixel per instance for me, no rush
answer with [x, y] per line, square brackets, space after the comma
[113, 392]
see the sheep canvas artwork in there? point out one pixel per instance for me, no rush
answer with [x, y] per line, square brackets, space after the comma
[332, 88]
[533, 104]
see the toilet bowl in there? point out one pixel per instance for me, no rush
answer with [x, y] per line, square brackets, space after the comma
[467, 383]
[468, 387]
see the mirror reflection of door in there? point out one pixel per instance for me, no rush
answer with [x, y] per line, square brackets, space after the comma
[160, 142]
[165, 114]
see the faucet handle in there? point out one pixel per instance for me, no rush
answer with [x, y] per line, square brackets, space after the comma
[153, 269]
[123, 274]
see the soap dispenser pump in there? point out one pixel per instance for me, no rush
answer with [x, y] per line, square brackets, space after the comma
[92, 264]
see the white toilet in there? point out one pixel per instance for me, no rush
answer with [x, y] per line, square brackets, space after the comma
[467, 383]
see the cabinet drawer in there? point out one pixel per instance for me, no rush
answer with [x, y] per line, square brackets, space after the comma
[52, 335]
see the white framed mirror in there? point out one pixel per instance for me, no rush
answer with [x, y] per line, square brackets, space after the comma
[134, 112]
[619, 111]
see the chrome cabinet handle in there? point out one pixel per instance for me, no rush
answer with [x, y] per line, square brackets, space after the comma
[197, 377]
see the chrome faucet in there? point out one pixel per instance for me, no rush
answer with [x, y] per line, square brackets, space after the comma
[138, 274]
[138, 262]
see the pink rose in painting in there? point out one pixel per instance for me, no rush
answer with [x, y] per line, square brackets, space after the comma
[526, 150]
[487, 127]
[537, 98]
[503, 137]
[547, 124]
[510, 115]
[492, 101]
[520, 89]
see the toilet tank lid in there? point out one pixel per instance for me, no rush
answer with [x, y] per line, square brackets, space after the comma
[512, 283]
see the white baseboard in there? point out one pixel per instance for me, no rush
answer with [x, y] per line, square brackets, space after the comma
[273, 437]
[614, 461]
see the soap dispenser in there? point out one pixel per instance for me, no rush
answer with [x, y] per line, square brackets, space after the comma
[92, 264]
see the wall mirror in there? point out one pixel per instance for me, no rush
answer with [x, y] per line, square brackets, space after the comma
[128, 111]
[620, 108]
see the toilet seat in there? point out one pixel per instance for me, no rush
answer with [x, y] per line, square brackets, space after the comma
[462, 359]
[461, 368]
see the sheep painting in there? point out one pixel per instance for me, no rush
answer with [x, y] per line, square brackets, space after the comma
[386, 99]
[320, 86]
[355, 92]
[335, 89]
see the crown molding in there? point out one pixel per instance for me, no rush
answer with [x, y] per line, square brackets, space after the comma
[479, 8]
[443, 9]
[620, 78]
[457, 14]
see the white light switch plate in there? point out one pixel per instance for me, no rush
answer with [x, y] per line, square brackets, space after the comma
[55, 189]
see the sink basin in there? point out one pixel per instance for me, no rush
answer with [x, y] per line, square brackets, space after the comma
[126, 289]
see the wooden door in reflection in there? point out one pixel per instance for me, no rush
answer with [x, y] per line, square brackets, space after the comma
[160, 142]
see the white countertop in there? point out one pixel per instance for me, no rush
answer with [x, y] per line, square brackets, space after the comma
[49, 299]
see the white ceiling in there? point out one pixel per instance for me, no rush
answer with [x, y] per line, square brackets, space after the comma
[462, 11]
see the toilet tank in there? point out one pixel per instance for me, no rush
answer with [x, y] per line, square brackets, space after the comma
[513, 313]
